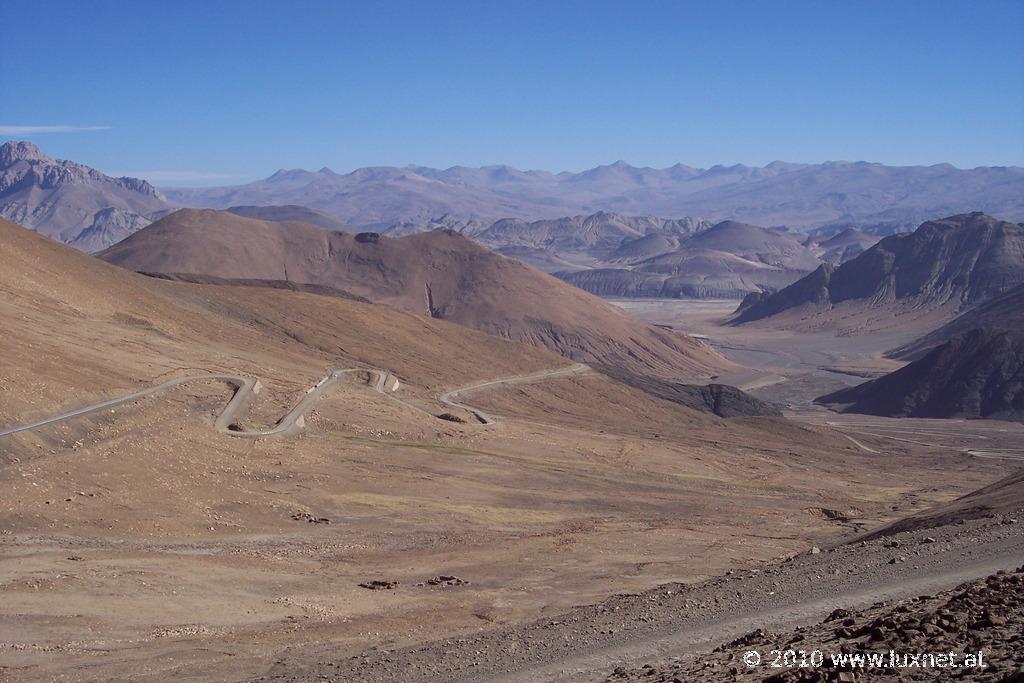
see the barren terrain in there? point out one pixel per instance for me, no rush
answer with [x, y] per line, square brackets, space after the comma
[143, 544]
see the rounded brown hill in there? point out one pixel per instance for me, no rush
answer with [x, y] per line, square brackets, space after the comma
[441, 274]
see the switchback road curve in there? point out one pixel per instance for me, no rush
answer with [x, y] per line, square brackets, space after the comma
[246, 388]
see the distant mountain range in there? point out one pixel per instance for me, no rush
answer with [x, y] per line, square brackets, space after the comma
[73, 203]
[833, 195]
[594, 212]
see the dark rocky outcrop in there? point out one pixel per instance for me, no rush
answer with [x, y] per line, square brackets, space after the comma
[979, 374]
[722, 400]
[812, 289]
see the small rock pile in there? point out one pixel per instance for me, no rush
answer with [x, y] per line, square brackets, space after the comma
[445, 580]
[312, 519]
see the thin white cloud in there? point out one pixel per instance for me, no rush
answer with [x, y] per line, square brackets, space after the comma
[176, 176]
[37, 130]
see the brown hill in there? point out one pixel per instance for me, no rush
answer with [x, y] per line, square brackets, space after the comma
[941, 269]
[979, 374]
[78, 327]
[441, 274]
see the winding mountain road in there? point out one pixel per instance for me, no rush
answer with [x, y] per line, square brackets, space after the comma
[449, 397]
[246, 388]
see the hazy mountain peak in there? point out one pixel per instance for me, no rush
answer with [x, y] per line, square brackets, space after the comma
[289, 174]
[20, 150]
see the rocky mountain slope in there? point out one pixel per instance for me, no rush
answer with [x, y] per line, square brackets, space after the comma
[77, 327]
[728, 260]
[944, 267]
[596, 235]
[979, 374]
[841, 247]
[441, 274]
[72, 203]
[797, 195]
[1003, 313]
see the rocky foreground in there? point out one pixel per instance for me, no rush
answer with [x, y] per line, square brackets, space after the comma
[985, 616]
[670, 633]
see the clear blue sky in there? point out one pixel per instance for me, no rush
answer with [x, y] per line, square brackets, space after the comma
[221, 92]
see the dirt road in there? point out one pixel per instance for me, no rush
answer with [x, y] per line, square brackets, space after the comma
[449, 397]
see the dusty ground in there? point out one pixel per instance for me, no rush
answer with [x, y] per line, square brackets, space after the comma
[981, 622]
[143, 545]
[677, 625]
[163, 539]
[789, 367]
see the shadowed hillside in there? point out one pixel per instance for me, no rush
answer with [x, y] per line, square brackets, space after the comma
[979, 374]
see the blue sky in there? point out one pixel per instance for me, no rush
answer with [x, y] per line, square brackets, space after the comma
[221, 92]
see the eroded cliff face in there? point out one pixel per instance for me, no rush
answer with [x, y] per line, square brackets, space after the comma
[70, 202]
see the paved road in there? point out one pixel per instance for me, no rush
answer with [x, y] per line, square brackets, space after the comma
[449, 397]
[245, 388]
